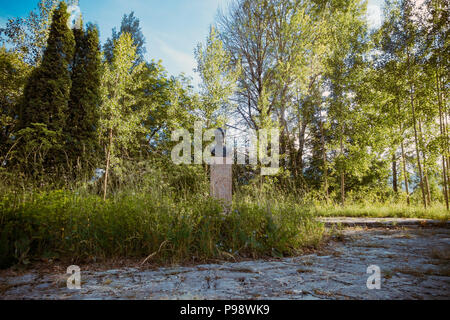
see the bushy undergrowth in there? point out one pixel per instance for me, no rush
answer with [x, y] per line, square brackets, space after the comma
[163, 214]
[364, 203]
[65, 225]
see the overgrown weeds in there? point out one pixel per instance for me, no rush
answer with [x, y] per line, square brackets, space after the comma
[162, 213]
[66, 225]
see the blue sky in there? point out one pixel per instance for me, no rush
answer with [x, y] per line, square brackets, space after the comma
[172, 28]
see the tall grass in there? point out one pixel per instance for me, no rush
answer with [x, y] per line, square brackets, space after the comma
[163, 214]
[62, 224]
[358, 204]
[382, 210]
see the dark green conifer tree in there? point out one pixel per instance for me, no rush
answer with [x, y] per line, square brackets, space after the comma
[82, 121]
[47, 92]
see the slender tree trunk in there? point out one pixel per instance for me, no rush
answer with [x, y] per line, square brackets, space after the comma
[299, 157]
[283, 148]
[416, 141]
[443, 119]
[446, 147]
[446, 135]
[442, 129]
[108, 160]
[324, 157]
[86, 161]
[444, 173]
[445, 115]
[394, 174]
[405, 174]
[425, 166]
[342, 173]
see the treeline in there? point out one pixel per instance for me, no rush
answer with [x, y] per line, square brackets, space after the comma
[70, 108]
[360, 111]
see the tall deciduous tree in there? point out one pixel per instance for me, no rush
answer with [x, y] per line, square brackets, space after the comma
[130, 24]
[219, 79]
[119, 122]
[348, 32]
[436, 27]
[13, 75]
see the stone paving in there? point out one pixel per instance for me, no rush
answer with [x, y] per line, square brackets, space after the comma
[414, 263]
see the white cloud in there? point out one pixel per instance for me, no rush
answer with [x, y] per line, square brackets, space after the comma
[180, 61]
[374, 16]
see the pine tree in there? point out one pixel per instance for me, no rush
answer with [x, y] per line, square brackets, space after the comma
[83, 117]
[47, 91]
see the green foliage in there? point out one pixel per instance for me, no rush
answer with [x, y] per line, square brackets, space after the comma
[37, 145]
[130, 24]
[165, 103]
[118, 81]
[28, 37]
[218, 80]
[47, 91]
[84, 228]
[120, 123]
[13, 75]
[357, 112]
[381, 210]
[83, 113]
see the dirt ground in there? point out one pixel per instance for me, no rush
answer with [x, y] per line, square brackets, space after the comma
[414, 264]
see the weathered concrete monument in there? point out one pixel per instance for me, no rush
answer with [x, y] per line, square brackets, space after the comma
[221, 172]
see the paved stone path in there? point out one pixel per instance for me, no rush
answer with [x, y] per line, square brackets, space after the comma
[414, 263]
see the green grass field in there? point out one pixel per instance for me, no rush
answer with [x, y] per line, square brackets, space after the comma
[437, 212]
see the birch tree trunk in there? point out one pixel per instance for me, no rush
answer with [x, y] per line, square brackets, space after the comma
[394, 174]
[416, 142]
[442, 129]
[425, 167]
[108, 161]
[324, 156]
[405, 173]
[342, 172]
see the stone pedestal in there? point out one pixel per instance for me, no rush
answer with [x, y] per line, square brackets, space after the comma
[221, 180]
